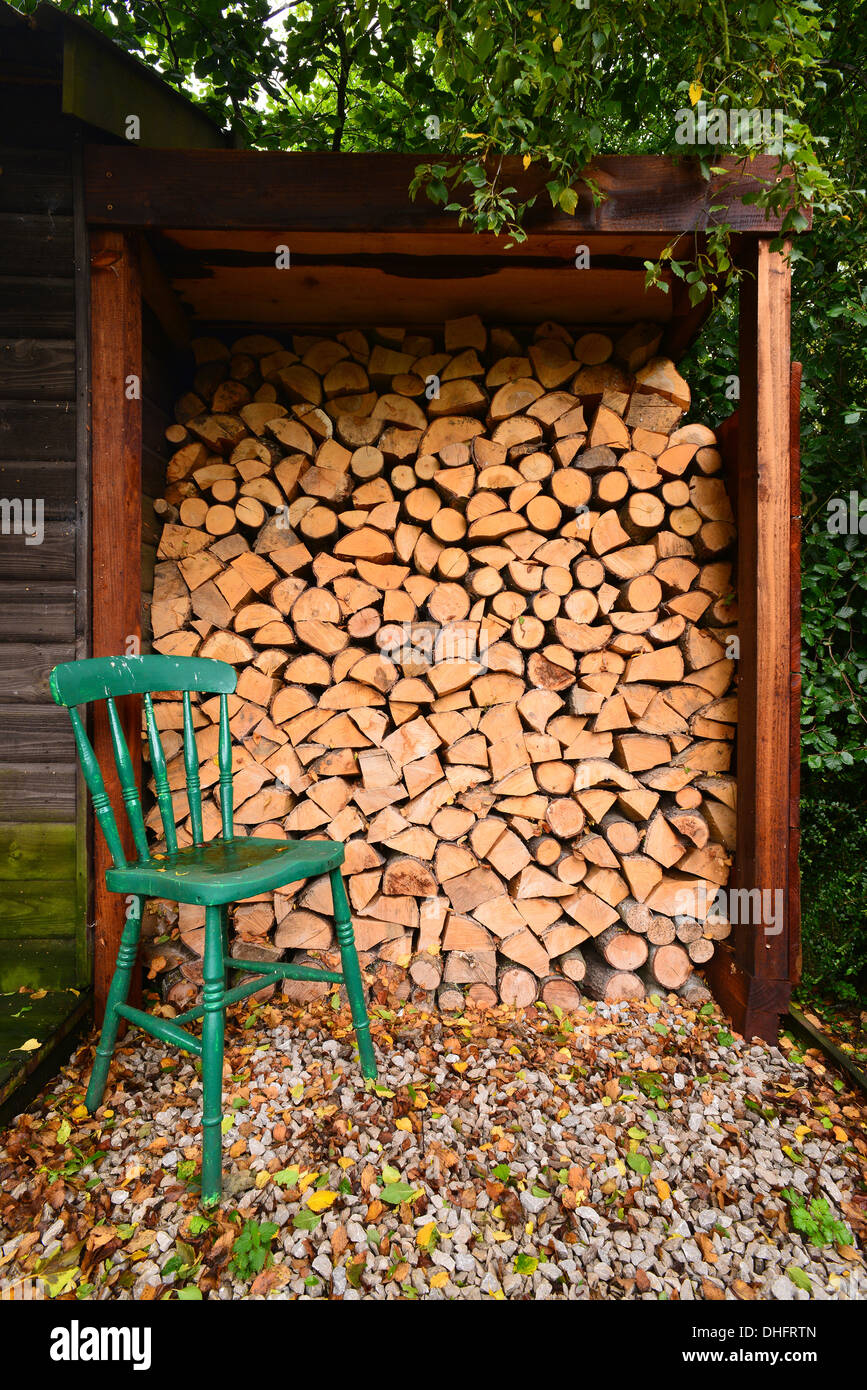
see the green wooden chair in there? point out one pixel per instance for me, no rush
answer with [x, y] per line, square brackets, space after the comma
[211, 875]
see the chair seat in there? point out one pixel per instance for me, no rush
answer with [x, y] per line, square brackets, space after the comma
[226, 871]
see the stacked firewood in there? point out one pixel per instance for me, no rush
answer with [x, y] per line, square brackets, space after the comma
[478, 591]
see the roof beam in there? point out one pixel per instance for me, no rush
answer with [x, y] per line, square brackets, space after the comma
[136, 187]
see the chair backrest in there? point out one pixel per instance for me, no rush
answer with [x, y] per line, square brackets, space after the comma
[81, 682]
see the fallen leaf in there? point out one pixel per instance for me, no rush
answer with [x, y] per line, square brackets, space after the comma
[269, 1280]
[426, 1234]
[321, 1200]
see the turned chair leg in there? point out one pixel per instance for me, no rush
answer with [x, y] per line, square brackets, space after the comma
[213, 1031]
[224, 932]
[117, 994]
[352, 974]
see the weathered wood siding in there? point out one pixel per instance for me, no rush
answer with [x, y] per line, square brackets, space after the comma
[43, 586]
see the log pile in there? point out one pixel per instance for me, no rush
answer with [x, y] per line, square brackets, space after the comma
[479, 595]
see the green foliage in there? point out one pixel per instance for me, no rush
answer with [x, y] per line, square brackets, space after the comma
[557, 85]
[251, 1251]
[185, 1265]
[816, 1222]
[834, 896]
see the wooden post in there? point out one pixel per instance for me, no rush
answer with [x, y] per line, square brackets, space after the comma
[754, 982]
[794, 912]
[116, 375]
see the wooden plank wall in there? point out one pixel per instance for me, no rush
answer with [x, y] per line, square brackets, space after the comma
[43, 587]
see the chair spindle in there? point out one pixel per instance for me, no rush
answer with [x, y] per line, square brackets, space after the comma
[191, 763]
[126, 777]
[96, 787]
[158, 763]
[225, 760]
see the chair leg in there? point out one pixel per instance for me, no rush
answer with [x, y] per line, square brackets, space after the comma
[213, 1029]
[224, 932]
[352, 974]
[117, 994]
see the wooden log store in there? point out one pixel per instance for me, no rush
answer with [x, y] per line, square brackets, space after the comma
[263, 333]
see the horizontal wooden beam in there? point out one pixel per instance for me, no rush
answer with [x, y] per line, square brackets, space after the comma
[136, 187]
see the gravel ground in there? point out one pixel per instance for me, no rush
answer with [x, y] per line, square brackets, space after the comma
[629, 1151]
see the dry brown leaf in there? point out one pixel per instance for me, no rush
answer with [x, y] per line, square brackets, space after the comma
[269, 1280]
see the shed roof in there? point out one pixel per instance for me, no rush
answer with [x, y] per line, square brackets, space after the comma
[101, 84]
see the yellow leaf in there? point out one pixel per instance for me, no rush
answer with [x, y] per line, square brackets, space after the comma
[80, 1112]
[801, 1131]
[499, 1235]
[345, 1163]
[421, 1101]
[840, 1134]
[440, 1279]
[263, 1177]
[39, 994]
[460, 1066]
[528, 160]
[306, 1180]
[663, 1191]
[322, 1200]
[695, 91]
[557, 44]
[29, 1046]
[426, 1234]
[405, 1123]
[439, 38]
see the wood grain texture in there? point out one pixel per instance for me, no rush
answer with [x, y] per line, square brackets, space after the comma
[35, 243]
[116, 354]
[44, 616]
[794, 912]
[34, 369]
[135, 187]
[764, 526]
